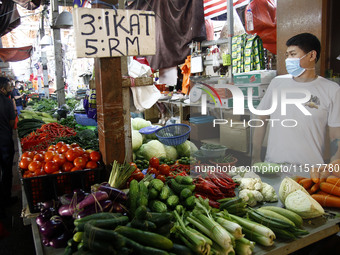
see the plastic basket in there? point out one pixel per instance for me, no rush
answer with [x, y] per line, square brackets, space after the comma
[174, 134]
[48, 187]
[82, 119]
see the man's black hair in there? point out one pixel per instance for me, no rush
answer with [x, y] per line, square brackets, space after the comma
[4, 82]
[306, 42]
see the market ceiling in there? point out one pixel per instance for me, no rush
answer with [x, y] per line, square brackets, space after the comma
[9, 16]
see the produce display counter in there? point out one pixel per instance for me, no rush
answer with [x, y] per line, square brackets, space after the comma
[319, 228]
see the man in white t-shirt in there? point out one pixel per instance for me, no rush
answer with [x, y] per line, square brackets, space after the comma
[297, 136]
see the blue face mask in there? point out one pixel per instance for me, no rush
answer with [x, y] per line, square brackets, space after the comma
[293, 66]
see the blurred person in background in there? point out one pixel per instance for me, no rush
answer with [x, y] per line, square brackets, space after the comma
[7, 121]
[18, 97]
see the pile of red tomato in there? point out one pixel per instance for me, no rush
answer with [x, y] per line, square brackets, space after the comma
[57, 159]
[161, 171]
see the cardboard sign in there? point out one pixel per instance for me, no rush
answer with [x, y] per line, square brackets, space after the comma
[109, 33]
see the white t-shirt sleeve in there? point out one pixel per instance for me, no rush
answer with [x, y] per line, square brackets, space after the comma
[334, 110]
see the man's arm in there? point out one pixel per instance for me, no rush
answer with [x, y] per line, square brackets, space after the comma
[258, 137]
[17, 97]
[334, 135]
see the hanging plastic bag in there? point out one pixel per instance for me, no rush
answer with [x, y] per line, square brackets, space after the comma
[90, 104]
[264, 22]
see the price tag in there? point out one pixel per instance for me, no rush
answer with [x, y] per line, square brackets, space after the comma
[196, 64]
[226, 59]
[108, 33]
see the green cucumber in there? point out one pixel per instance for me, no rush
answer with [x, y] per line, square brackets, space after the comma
[133, 196]
[165, 193]
[298, 221]
[159, 218]
[143, 225]
[177, 188]
[145, 238]
[185, 193]
[180, 250]
[153, 193]
[158, 206]
[172, 201]
[141, 212]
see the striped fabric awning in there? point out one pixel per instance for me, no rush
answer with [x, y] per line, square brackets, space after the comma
[215, 8]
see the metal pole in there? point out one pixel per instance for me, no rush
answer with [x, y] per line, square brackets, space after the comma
[230, 25]
[58, 56]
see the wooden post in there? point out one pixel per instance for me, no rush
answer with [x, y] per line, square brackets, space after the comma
[108, 77]
[58, 56]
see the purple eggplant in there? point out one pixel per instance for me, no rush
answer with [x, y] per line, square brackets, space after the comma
[53, 227]
[92, 198]
[45, 241]
[103, 206]
[61, 240]
[67, 210]
[49, 204]
[73, 198]
[40, 220]
[119, 208]
[114, 194]
[47, 213]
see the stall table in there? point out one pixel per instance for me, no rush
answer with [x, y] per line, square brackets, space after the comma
[319, 228]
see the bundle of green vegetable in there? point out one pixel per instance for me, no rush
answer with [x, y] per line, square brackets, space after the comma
[284, 223]
[26, 126]
[87, 139]
[106, 233]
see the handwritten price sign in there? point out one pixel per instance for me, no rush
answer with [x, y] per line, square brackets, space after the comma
[108, 33]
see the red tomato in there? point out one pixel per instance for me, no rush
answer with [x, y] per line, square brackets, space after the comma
[51, 148]
[34, 166]
[60, 159]
[38, 157]
[75, 169]
[59, 145]
[138, 176]
[49, 156]
[91, 165]
[133, 165]
[51, 167]
[164, 169]
[64, 148]
[79, 150]
[86, 155]
[154, 162]
[27, 154]
[161, 177]
[40, 172]
[152, 170]
[67, 166]
[74, 145]
[80, 162]
[95, 156]
[24, 162]
[71, 155]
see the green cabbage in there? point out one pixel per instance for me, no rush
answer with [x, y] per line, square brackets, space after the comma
[153, 148]
[186, 148]
[171, 152]
[137, 140]
[139, 123]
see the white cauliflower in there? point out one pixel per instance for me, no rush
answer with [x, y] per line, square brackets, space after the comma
[250, 183]
[251, 197]
[268, 193]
